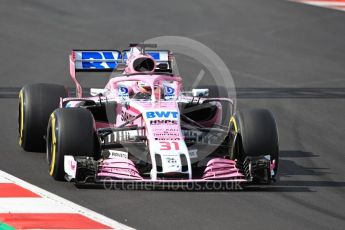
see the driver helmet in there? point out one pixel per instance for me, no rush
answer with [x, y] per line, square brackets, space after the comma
[144, 87]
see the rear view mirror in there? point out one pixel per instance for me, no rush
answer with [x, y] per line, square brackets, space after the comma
[96, 92]
[200, 92]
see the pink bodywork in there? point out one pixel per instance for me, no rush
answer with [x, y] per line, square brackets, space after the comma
[220, 168]
[120, 168]
[124, 169]
[217, 169]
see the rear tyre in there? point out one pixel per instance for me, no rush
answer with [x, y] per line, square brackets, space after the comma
[36, 103]
[70, 132]
[255, 135]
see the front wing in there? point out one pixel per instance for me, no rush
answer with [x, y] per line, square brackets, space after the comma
[117, 173]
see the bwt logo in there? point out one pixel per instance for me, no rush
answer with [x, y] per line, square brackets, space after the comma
[162, 114]
[105, 59]
[169, 91]
[123, 91]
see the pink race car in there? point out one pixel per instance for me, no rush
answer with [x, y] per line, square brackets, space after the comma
[143, 128]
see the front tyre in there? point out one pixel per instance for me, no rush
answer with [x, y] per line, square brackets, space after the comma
[255, 136]
[70, 132]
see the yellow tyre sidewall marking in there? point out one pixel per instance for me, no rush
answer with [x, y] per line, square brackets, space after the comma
[21, 99]
[53, 147]
[233, 120]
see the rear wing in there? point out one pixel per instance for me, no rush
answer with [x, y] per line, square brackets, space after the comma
[109, 61]
[95, 60]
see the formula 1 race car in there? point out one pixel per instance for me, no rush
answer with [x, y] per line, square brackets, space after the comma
[142, 127]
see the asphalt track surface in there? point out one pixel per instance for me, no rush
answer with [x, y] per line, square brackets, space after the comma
[284, 56]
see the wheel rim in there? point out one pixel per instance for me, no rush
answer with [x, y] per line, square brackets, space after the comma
[21, 117]
[234, 149]
[51, 145]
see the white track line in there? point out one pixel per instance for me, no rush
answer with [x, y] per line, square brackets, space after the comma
[337, 5]
[59, 201]
[32, 205]
[324, 3]
[4, 180]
